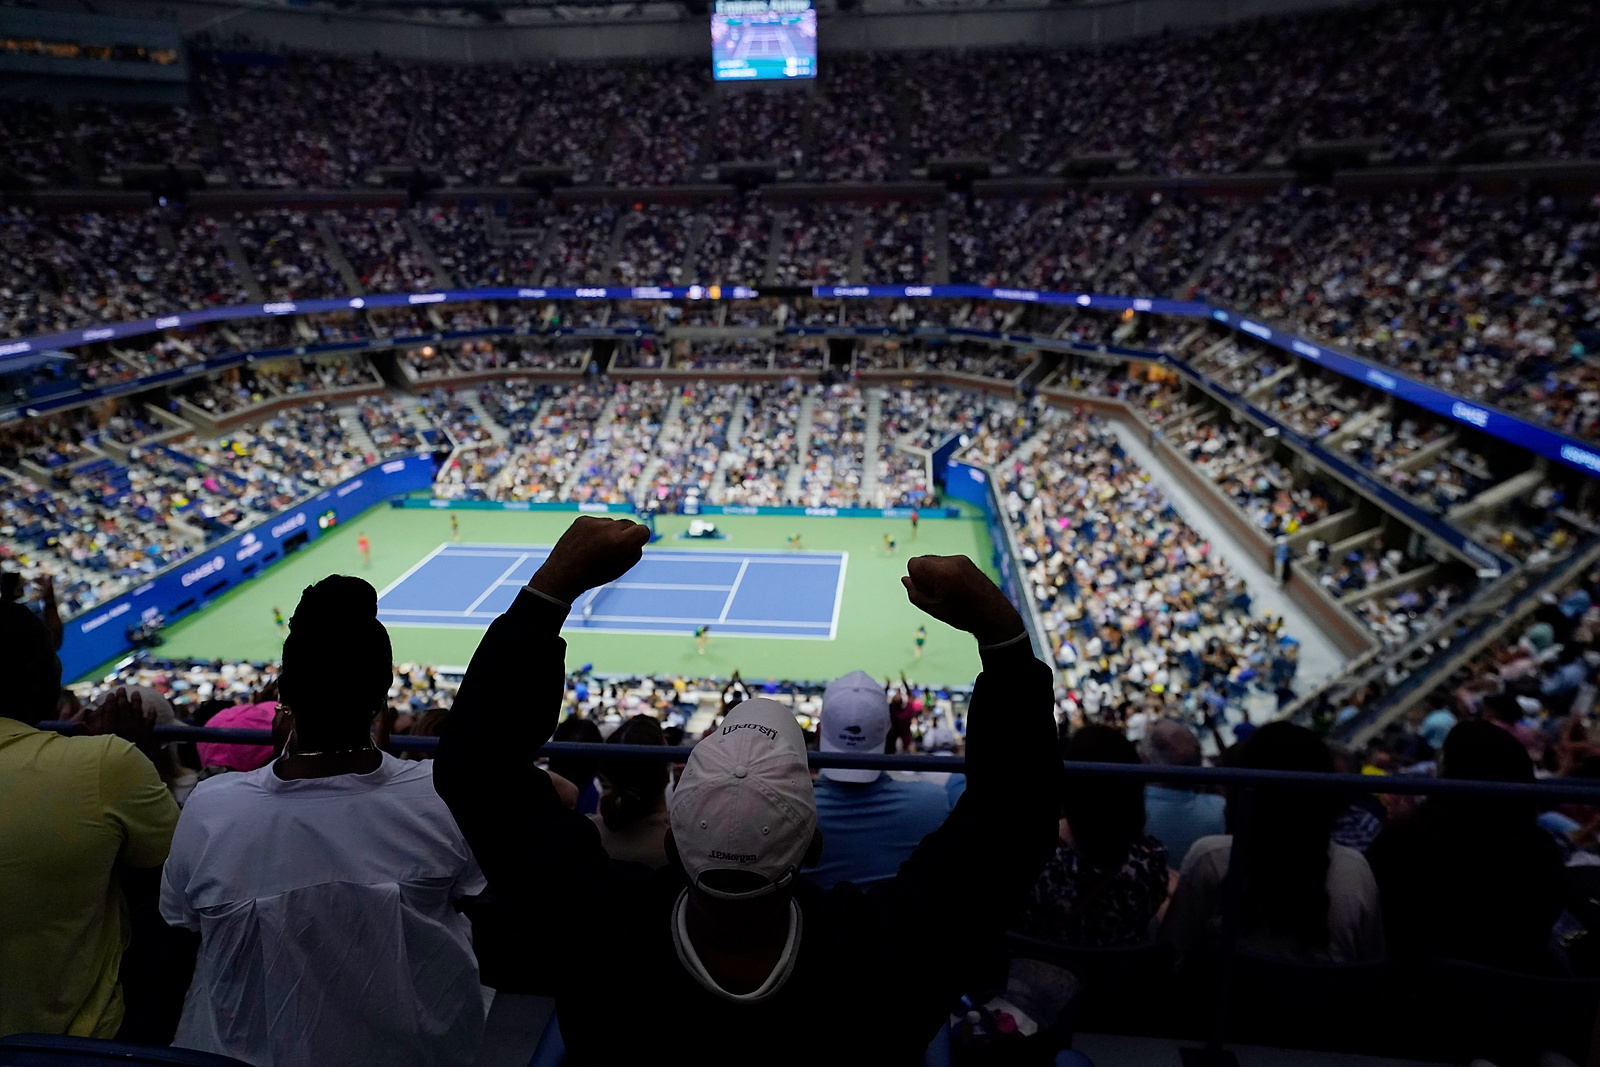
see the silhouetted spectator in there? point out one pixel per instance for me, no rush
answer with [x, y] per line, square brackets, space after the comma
[726, 931]
[1304, 896]
[633, 798]
[1175, 816]
[1472, 878]
[1108, 878]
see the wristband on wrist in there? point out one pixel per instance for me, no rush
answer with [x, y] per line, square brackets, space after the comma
[542, 595]
[1021, 637]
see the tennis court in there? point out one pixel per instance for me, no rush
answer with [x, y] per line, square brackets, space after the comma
[672, 591]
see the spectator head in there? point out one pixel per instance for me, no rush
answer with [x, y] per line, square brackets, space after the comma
[1105, 816]
[579, 770]
[1501, 707]
[631, 789]
[1479, 751]
[744, 817]
[32, 668]
[1286, 893]
[855, 718]
[1169, 743]
[337, 664]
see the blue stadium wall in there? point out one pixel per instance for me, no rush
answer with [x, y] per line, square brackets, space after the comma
[101, 634]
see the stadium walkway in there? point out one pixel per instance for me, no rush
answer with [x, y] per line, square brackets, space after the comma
[1318, 656]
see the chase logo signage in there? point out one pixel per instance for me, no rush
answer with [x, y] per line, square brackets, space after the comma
[289, 525]
[205, 570]
[1467, 413]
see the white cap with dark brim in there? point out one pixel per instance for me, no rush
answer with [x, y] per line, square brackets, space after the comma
[855, 718]
[745, 801]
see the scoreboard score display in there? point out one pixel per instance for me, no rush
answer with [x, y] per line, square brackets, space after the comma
[763, 40]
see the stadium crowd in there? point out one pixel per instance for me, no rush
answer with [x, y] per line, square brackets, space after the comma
[1076, 862]
[354, 890]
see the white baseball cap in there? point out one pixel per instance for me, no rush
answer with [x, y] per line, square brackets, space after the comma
[745, 802]
[855, 718]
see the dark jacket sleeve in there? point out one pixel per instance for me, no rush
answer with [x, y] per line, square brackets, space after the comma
[957, 894]
[537, 855]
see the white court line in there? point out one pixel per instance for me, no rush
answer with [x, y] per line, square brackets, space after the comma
[499, 553]
[491, 616]
[780, 556]
[415, 567]
[495, 584]
[733, 592]
[838, 596]
[613, 630]
[676, 586]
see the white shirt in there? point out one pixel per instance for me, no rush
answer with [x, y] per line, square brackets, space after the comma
[328, 934]
[1355, 920]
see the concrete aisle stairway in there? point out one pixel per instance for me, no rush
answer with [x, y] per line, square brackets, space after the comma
[718, 493]
[802, 445]
[497, 433]
[360, 440]
[869, 449]
[507, 474]
[228, 239]
[336, 257]
[671, 430]
[608, 415]
[442, 278]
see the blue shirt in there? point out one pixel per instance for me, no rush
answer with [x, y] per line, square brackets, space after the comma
[870, 828]
[1178, 818]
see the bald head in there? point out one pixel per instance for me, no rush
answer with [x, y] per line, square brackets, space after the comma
[1169, 743]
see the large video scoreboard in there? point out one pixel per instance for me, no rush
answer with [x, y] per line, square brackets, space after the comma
[763, 40]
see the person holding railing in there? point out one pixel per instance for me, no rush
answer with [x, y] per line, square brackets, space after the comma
[725, 933]
[81, 820]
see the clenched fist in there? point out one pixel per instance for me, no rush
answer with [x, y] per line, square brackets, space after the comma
[952, 589]
[591, 553]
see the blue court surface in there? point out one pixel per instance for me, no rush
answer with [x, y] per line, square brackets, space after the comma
[736, 594]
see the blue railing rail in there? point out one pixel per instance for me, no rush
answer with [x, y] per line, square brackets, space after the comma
[1244, 785]
[1549, 790]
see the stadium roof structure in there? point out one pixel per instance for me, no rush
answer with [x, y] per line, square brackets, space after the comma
[534, 10]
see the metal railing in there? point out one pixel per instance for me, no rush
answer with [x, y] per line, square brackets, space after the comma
[1581, 791]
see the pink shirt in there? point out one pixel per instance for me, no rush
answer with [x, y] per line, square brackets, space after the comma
[239, 757]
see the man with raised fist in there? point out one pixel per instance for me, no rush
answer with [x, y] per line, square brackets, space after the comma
[725, 934]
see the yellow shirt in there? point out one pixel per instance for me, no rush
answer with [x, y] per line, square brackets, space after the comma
[70, 808]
